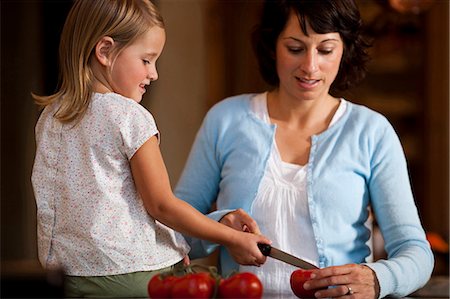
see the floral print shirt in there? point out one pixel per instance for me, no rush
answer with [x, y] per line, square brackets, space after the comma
[91, 220]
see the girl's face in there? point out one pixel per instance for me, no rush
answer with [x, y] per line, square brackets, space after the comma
[135, 66]
[307, 65]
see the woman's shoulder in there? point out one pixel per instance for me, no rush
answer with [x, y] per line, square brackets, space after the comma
[232, 107]
[365, 119]
[367, 115]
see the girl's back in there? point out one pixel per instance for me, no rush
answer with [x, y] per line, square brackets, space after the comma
[86, 196]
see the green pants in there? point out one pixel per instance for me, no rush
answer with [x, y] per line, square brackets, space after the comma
[122, 285]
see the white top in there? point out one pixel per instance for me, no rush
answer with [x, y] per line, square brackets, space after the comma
[281, 210]
[91, 220]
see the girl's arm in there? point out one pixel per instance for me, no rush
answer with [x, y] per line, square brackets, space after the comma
[152, 182]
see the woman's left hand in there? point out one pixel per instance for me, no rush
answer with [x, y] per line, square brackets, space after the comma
[347, 281]
[241, 221]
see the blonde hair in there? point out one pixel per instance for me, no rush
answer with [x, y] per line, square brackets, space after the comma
[88, 21]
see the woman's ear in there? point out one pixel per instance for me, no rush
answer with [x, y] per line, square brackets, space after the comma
[103, 50]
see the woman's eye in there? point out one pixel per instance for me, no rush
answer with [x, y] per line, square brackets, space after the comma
[146, 61]
[295, 49]
[325, 51]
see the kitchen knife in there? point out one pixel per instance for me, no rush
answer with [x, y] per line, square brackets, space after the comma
[278, 254]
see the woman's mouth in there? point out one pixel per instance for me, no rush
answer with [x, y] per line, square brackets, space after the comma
[307, 83]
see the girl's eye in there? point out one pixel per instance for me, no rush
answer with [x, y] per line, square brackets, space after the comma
[146, 61]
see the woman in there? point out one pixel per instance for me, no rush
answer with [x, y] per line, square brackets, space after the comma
[308, 166]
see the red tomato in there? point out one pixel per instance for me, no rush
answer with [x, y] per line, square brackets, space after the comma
[195, 285]
[241, 285]
[161, 287]
[211, 279]
[298, 278]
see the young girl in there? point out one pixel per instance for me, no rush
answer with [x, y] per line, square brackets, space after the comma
[104, 203]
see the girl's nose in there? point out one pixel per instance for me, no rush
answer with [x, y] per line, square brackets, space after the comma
[153, 74]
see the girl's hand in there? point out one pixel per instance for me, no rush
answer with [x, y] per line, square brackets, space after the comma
[347, 281]
[186, 260]
[245, 251]
[244, 248]
[240, 220]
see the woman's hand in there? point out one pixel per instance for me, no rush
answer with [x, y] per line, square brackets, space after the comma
[241, 221]
[347, 281]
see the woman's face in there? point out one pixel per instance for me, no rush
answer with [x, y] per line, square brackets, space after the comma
[307, 65]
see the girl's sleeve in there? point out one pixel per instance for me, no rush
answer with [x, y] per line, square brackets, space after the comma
[410, 260]
[199, 181]
[138, 127]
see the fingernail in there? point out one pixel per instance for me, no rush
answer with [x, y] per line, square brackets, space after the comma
[306, 285]
[313, 275]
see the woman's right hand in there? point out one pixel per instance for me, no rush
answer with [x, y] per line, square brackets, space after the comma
[244, 248]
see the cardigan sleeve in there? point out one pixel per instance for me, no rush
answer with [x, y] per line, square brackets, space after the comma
[199, 181]
[410, 260]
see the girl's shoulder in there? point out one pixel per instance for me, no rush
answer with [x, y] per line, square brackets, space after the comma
[114, 106]
[123, 116]
[114, 100]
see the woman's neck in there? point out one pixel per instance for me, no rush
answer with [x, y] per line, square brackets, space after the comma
[300, 113]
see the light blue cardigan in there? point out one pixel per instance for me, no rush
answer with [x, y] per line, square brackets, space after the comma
[355, 163]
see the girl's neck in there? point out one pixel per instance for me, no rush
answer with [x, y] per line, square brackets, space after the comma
[100, 82]
[100, 88]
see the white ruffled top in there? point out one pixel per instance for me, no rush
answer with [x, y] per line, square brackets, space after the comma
[281, 210]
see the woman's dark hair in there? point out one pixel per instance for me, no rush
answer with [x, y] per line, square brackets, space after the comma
[324, 16]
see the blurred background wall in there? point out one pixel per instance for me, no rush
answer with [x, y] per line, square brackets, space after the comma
[208, 57]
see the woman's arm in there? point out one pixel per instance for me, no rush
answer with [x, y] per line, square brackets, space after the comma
[199, 183]
[410, 260]
[152, 182]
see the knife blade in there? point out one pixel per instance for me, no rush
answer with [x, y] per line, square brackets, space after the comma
[280, 255]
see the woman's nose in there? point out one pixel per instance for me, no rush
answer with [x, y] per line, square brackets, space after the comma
[309, 62]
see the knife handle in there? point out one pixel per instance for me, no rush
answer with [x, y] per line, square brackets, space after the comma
[265, 248]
